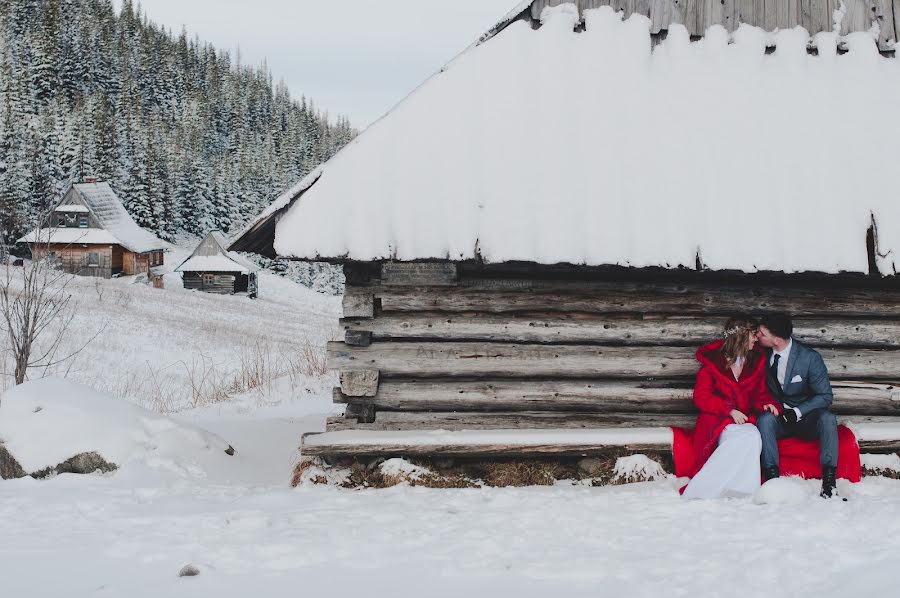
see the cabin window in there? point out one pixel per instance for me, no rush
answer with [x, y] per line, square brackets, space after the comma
[61, 221]
[82, 222]
[209, 279]
[93, 259]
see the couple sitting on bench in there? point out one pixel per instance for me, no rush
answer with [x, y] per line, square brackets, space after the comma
[755, 387]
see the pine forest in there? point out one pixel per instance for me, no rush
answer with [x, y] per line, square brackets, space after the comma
[192, 139]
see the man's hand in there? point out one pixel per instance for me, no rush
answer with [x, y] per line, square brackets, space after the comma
[770, 408]
[738, 417]
[789, 415]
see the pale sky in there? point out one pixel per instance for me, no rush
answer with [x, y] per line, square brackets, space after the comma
[353, 57]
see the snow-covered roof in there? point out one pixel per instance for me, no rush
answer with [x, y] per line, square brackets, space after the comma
[212, 255]
[70, 236]
[579, 143]
[72, 208]
[258, 235]
[113, 216]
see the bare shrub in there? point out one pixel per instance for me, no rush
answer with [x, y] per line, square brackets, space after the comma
[36, 311]
[123, 299]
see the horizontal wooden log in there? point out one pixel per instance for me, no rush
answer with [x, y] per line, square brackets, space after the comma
[530, 395]
[535, 420]
[512, 443]
[561, 329]
[526, 295]
[423, 360]
[590, 396]
[406, 421]
[418, 273]
[359, 383]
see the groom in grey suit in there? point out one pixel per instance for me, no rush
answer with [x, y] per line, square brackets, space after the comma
[797, 377]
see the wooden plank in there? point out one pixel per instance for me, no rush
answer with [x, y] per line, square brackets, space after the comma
[712, 13]
[359, 383]
[588, 396]
[358, 338]
[534, 295]
[692, 16]
[608, 330]
[531, 395]
[819, 17]
[476, 359]
[453, 422]
[400, 421]
[416, 273]
[566, 442]
[857, 17]
[358, 305]
[730, 14]
[787, 14]
[354, 415]
[884, 13]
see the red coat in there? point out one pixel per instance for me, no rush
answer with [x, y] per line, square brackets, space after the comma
[717, 393]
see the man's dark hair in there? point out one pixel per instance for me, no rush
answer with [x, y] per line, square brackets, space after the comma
[779, 324]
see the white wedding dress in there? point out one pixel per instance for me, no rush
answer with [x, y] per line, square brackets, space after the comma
[733, 470]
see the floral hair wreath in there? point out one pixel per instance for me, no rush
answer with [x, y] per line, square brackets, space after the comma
[735, 329]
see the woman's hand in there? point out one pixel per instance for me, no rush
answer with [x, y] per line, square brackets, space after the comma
[738, 417]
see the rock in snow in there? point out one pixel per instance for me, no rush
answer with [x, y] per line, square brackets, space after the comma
[54, 426]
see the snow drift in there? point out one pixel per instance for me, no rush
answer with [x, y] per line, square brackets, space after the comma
[47, 422]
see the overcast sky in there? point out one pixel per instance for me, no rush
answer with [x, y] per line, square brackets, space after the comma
[353, 57]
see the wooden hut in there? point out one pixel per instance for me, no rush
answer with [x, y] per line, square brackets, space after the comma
[211, 268]
[536, 240]
[92, 234]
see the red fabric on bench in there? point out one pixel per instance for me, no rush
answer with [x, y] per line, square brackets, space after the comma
[798, 457]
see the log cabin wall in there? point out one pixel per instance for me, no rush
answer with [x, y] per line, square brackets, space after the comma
[461, 346]
[220, 283]
[81, 260]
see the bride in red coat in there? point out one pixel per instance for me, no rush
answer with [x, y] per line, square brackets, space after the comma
[730, 392]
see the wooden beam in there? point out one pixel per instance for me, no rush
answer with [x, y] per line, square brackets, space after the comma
[586, 396]
[359, 383]
[559, 329]
[506, 443]
[454, 359]
[501, 296]
[418, 273]
[359, 305]
[358, 338]
[401, 421]
[355, 415]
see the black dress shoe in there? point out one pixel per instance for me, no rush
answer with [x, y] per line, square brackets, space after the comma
[829, 482]
[771, 472]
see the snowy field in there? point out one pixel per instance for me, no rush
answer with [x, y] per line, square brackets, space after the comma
[130, 533]
[174, 349]
[237, 520]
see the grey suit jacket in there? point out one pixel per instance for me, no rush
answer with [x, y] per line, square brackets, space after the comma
[806, 384]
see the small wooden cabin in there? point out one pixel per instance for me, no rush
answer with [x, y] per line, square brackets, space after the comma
[92, 234]
[614, 190]
[211, 268]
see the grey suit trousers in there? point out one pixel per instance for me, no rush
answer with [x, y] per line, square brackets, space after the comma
[819, 424]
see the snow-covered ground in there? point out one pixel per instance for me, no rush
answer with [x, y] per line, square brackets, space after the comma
[131, 532]
[172, 349]
[237, 520]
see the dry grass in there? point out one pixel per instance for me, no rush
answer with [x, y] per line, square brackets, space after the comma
[885, 473]
[501, 474]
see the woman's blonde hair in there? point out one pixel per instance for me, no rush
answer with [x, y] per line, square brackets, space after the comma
[737, 337]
